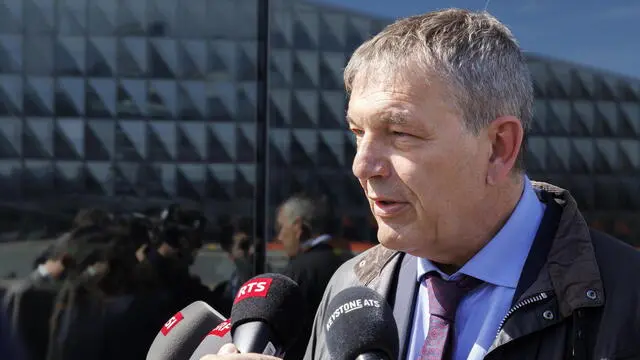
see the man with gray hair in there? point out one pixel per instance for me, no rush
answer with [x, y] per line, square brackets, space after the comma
[304, 228]
[477, 261]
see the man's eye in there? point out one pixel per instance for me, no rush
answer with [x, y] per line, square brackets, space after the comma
[398, 133]
[357, 132]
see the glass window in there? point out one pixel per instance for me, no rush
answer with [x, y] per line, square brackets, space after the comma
[37, 141]
[193, 59]
[191, 19]
[101, 98]
[70, 97]
[37, 179]
[102, 17]
[38, 96]
[99, 140]
[10, 53]
[161, 137]
[133, 57]
[192, 141]
[11, 95]
[163, 58]
[98, 178]
[68, 177]
[192, 100]
[305, 30]
[220, 182]
[131, 17]
[69, 139]
[130, 140]
[10, 137]
[190, 181]
[38, 55]
[222, 20]
[132, 98]
[101, 57]
[70, 56]
[333, 32]
[10, 180]
[306, 69]
[72, 18]
[162, 99]
[11, 12]
[245, 143]
[40, 16]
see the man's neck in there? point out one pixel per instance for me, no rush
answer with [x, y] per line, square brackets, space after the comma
[506, 201]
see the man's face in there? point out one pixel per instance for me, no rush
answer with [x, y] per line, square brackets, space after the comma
[288, 233]
[423, 173]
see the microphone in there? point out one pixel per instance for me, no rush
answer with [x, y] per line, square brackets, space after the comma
[360, 326]
[181, 335]
[267, 313]
[214, 340]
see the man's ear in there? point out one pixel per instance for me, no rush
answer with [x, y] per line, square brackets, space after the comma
[506, 135]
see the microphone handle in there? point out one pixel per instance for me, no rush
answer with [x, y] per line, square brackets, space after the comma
[256, 337]
[373, 356]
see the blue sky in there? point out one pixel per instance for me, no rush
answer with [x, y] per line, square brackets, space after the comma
[600, 33]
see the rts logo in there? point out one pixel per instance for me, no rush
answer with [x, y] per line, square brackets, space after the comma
[171, 323]
[222, 329]
[258, 287]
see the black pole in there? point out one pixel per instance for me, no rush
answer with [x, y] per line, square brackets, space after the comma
[261, 198]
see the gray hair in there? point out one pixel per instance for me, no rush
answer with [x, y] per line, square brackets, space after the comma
[474, 54]
[314, 213]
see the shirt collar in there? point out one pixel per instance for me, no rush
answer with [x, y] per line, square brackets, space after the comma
[42, 270]
[311, 243]
[510, 246]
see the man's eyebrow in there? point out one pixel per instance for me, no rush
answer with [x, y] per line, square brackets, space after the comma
[395, 118]
[388, 117]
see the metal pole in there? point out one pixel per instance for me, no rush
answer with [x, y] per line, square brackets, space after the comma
[261, 198]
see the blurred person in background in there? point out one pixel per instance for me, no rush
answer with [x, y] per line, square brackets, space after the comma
[10, 347]
[304, 227]
[240, 250]
[28, 303]
[176, 240]
[101, 313]
[84, 217]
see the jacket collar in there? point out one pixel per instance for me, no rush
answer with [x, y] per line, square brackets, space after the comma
[571, 270]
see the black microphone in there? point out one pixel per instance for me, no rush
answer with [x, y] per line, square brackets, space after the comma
[359, 325]
[214, 340]
[267, 313]
[182, 334]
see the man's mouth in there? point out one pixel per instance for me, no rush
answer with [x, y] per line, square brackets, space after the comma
[388, 208]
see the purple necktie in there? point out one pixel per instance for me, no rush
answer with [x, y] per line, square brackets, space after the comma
[444, 297]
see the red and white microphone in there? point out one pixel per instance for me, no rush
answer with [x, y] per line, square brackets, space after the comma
[183, 332]
[214, 340]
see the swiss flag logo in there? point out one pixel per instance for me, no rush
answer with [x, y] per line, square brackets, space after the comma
[171, 323]
[222, 329]
[258, 287]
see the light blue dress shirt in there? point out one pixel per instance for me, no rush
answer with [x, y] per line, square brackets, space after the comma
[498, 265]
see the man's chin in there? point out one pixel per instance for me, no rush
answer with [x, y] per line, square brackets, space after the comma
[391, 239]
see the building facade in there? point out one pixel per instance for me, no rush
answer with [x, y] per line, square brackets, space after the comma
[130, 103]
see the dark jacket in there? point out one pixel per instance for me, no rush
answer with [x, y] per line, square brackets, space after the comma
[28, 303]
[578, 296]
[10, 346]
[312, 270]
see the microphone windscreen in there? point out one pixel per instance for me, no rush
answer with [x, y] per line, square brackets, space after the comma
[360, 321]
[273, 299]
[214, 340]
[182, 334]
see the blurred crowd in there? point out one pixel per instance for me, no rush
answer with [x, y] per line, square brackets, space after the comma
[104, 288]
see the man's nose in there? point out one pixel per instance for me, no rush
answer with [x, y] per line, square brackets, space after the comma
[370, 160]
